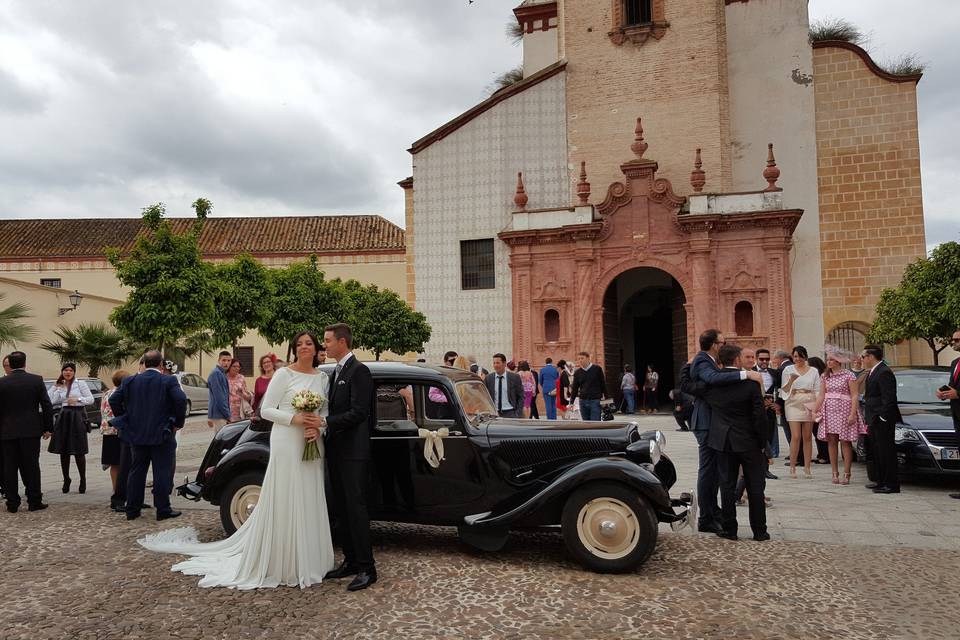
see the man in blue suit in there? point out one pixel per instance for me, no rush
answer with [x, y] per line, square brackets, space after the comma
[150, 408]
[548, 382]
[704, 372]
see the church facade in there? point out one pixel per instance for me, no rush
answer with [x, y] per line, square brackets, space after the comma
[682, 165]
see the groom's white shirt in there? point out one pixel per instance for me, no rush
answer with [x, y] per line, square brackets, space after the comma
[343, 360]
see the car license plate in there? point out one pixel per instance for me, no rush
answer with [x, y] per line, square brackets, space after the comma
[950, 454]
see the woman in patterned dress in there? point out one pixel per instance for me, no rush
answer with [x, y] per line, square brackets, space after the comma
[240, 397]
[838, 408]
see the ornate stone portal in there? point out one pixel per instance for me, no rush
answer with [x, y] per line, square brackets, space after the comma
[722, 261]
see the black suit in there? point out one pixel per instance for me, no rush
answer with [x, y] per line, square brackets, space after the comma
[882, 415]
[513, 392]
[349, 427]
[25, 415]
[954, 382]
[739, 431]
[771, 414]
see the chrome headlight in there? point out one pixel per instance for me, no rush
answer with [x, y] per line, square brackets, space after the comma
[655, 451]
[646, 450]
[661, 441]
[905, 434]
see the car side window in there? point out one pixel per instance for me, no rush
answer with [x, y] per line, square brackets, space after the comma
[438, 410]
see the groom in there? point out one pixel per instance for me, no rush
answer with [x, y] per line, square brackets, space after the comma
[349, 427]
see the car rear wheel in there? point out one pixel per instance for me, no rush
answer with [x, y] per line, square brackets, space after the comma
[609, 527]
[238, 500]
[189, 407]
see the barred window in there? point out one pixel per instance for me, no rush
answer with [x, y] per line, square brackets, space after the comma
[50, 282]
[476, 264]
[637, 12]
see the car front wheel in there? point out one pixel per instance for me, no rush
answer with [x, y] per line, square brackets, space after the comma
[609, 527]
[238, 500]
[189, 407]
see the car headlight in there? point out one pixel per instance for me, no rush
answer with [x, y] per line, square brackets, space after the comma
[905, 434]
[661, 441]
[655, 452]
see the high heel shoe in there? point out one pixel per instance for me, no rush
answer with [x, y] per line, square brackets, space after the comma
[66, 485]
[846, 479]
[82, 487]
[836, 478]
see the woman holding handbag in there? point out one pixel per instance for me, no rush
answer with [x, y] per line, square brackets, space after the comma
[240, 397]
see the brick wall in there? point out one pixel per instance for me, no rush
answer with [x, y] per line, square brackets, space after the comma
[677, 84]
[868, 169]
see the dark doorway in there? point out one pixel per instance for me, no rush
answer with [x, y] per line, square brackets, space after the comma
[645, 324]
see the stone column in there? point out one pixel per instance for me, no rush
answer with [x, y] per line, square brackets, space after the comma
[700, 257]
[776, 253]
[521, 262]
[585, 333]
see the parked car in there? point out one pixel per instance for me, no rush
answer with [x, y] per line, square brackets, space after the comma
[606, 484]
[93, 410]
[195, 389]
[926, 441]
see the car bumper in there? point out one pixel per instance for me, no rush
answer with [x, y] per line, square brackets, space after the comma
[191, 491]
[918, 458]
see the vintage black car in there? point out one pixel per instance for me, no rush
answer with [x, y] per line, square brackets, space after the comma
[605, 484]
[926, 441]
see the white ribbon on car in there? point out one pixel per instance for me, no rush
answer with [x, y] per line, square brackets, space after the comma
[433, 445]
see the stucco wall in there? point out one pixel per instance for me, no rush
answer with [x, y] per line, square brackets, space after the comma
[539, 49]
[770, 67]
[464, 186]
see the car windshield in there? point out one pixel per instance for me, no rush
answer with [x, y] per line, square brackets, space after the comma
[918, 388]
[475, 399]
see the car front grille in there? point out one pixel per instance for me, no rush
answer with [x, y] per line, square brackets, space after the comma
[941, 438]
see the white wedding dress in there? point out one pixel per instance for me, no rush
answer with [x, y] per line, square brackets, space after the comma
[286, 540]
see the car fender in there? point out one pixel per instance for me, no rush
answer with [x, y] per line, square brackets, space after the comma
[244, 456]
[612, 468]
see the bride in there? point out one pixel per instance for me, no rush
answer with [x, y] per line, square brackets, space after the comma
[286, 540]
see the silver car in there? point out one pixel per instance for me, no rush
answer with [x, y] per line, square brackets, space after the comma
[195, 389]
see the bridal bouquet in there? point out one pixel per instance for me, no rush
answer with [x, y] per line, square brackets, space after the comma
[306, 401]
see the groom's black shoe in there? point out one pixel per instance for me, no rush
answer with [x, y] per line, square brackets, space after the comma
[363, 580]
[342, 571]
[168, 515]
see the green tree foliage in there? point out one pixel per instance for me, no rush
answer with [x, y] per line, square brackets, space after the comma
[382, 321]
[171, 294]
[95, 346]
[925, 305]
[241, 295]
[301, 300]
[11, 329]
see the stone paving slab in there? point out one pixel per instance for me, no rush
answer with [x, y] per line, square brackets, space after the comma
[75, 571]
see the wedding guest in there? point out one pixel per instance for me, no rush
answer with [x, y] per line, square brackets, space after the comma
[529, 382]
[882, 414]
[26, 416]
[505, 388]
[449, 358]
[769, 385]
[461, 362]
[548, 382]
[111, 453]
[268, 367]
[563, 389]
[838, 409]
[218, 392]
[799, 391]
[240, 397]
[628, 387]
[534, 408]
[949, 391]
[7, 370]
[70, 431]
[823, 454]
[650, 383]
[589, 387]
[682, 408]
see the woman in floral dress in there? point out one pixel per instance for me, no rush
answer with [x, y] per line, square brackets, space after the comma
[240, 397]
[839, 411]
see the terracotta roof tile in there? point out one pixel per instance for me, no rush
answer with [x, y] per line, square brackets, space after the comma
[87, 238]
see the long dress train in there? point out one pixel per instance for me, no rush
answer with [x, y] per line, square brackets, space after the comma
[286, 540]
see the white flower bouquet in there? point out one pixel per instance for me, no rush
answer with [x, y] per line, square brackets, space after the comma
[306, 401]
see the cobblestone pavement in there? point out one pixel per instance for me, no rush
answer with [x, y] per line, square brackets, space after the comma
[75, 571]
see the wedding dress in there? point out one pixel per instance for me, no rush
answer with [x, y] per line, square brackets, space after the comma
[286, 540]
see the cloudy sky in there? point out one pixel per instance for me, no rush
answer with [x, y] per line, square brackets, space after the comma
[106, 106]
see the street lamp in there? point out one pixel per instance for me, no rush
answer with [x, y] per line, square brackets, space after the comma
[75, 299]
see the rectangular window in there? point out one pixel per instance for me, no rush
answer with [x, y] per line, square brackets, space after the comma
[50, 282]
[245, 356]
[476, 264]
[637, 12]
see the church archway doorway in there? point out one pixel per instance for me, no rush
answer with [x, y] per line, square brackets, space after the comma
[644, 323]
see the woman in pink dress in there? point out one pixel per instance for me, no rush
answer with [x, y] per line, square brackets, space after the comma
[240, 397]
[839, 411]
[529, 386]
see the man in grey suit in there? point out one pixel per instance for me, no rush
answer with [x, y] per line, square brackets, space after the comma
[505, 388]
